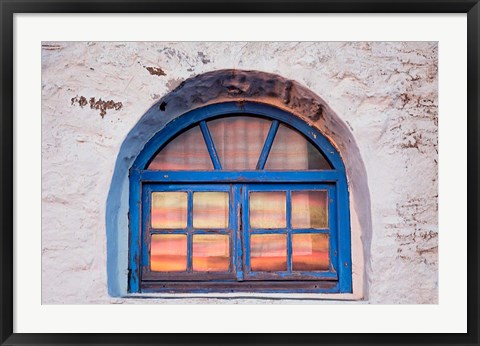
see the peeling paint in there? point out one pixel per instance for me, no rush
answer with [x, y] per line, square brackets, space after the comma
[155, 71]
[96, 104]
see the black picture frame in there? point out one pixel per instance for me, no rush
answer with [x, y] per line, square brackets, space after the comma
[9, 7]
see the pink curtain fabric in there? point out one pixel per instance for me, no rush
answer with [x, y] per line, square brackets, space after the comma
[188, 151]
[239, 141]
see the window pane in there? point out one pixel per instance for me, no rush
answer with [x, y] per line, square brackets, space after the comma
[210, 209]
[310, 252]
[292, 151]
[169, 210]
[168, 253]
[239, 140]
[268, 252]
[309, 209]
[211, 252]
[188, 151]
[268, 209]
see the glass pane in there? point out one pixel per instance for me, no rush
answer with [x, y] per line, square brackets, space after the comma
[239, 140]
[309, 209]
[210, 209]
[188, 151]
[211, 252]
[268, 252]
[292, 151]
[310, 252]
[169, 209]
[268, 209]
[168, 253]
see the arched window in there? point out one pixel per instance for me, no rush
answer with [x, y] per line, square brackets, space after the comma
[239, 197]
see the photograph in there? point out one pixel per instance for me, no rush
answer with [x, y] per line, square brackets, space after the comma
[239, 172]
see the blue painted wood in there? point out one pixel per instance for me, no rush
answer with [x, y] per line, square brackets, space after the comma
[268, 144]
[310, 230]
[333, 227]
[189, 207]
[297, 275]
[288, 209]
[289, 229]
[333, 180]
[239, 176]
[134, 235]
[304, 186]
[245, 232]
[146, 222]
[166, 287]
[267, 230]
[210, 145]
[156, 187]
[235, 222]
[184, 231]
[189, 231]
[344, 239]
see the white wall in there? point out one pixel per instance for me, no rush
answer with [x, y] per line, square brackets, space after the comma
[385, 92]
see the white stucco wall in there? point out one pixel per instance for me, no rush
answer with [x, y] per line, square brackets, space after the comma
[385, 92]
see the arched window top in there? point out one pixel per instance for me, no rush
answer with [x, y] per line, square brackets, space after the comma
[239, 142]
[239, 196]
[230, 137]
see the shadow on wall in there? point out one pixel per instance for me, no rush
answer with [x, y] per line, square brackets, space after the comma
[227, 86]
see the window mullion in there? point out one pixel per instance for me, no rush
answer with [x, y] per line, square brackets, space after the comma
[190, 232]
[268, 144]
[289, 232]
[210, 145]
[237, 232]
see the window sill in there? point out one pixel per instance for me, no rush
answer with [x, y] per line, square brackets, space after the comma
[285, 287]
[325, 297]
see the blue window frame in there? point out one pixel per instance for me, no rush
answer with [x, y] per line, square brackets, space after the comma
[289, 230]
[242, 267]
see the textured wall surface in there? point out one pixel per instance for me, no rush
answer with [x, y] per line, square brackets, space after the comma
[93, 94]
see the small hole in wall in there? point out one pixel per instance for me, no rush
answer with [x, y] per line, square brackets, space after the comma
[163, 105]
